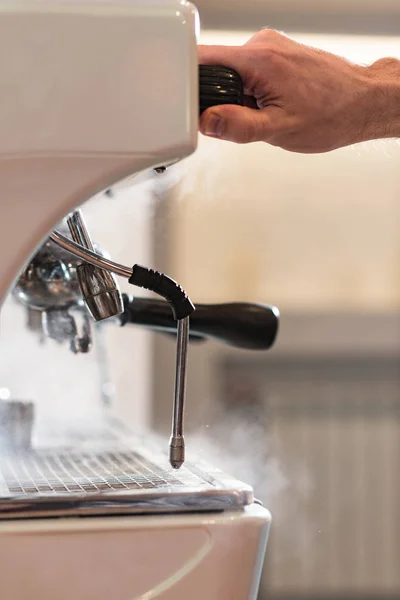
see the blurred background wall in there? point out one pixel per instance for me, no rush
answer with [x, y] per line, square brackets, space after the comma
[314, 423]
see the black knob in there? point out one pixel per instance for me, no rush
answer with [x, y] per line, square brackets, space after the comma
[219, 85]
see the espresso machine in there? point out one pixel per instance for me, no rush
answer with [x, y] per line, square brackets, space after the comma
[95, 93]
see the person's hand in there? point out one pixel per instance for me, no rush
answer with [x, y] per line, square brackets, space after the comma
[308, 100]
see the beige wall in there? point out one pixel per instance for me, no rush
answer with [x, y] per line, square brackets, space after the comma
[303, 232]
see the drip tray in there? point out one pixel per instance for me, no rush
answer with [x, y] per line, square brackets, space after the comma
[118, 479]
[85, 472]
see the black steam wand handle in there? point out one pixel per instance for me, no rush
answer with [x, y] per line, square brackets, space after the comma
[240, 324]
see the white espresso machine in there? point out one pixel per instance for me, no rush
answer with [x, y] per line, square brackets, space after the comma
[94, 92]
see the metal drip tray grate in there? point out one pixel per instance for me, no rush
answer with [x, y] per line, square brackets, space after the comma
[97, 477]
[83, 472]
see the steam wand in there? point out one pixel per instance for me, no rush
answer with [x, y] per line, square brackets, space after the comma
[177, 442]
[182, 308]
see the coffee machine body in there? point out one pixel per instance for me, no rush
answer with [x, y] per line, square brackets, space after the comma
[93, 93]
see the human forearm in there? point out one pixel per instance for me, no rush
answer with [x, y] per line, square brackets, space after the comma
[308, 100]
[383, 117]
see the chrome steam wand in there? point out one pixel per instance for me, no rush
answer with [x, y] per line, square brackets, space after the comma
[98, 293]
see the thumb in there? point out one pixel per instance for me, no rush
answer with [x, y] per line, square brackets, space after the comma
[238, 124]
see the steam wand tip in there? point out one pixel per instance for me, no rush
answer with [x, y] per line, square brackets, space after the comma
[176, 451]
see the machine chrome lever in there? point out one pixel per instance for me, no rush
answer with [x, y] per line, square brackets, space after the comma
[99, 288]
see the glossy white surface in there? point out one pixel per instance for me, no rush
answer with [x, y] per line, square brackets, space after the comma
[91, 93]
[215, 556]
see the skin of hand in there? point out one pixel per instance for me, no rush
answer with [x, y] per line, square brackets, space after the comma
[308, 100]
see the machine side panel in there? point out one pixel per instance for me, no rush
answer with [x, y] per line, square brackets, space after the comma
[91, 93]
[197, 557]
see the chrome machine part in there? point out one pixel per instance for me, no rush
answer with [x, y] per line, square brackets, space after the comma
[49, 281]
[99, 288]
[56, 288]
[177, 442]
[49, 289]
[61, 326]
[178, 300]
[16, 425]
[89, 256]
